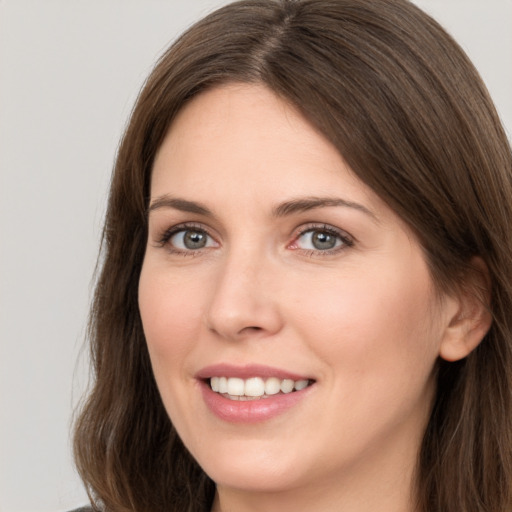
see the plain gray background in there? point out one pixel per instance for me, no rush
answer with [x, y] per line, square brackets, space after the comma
[70, 71]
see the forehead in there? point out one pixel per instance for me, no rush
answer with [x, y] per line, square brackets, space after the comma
[236, 121]
[242, 144]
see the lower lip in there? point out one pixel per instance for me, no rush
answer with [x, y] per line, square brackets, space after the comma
[251, 411]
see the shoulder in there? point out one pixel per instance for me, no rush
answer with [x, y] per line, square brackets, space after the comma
[82, 509]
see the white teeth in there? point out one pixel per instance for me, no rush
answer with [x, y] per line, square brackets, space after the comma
[223, 385]
[272, 386]
[301, 384]
[236, 386]
[287, 386]
[240, 389]
[254, 387]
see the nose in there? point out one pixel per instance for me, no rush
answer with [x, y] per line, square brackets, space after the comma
[244, 302]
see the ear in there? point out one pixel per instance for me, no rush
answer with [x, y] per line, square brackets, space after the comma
[471, 316]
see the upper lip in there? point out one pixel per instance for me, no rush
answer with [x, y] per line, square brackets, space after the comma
[246, 371]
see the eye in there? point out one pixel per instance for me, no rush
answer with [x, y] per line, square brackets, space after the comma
[184, 239]
[190, 239]
[323, 239]
[318, 240]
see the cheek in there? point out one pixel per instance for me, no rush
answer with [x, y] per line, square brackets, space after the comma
[171, 315]
[375, 338]
[377, 322]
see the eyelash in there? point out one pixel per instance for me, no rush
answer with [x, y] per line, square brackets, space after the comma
[346, 240]
[164, 239]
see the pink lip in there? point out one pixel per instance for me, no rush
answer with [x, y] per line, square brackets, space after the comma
[250, 411]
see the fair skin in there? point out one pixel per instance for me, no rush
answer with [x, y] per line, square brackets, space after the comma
[248, 264]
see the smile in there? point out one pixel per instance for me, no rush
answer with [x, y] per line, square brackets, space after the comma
[252, 393]
[254, 388]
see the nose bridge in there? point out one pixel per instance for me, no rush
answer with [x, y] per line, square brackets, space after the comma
[242, 302]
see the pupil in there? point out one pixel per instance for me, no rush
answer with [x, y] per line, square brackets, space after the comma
[323, 240]
[194, 240]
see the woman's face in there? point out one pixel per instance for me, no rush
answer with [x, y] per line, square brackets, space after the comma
[271, 266]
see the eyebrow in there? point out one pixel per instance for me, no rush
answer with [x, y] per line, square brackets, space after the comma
[304, 204]
[290, 207]
[183, 205]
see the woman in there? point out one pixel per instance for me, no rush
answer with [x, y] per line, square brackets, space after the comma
[305, 292]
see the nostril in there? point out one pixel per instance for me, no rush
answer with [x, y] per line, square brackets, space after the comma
[252, 328]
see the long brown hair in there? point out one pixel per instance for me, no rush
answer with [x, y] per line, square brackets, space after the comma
[410, 115]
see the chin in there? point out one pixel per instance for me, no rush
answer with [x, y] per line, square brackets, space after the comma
[249, 478]
[253, 468]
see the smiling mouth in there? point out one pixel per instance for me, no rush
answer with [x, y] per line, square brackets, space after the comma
[255, 388]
